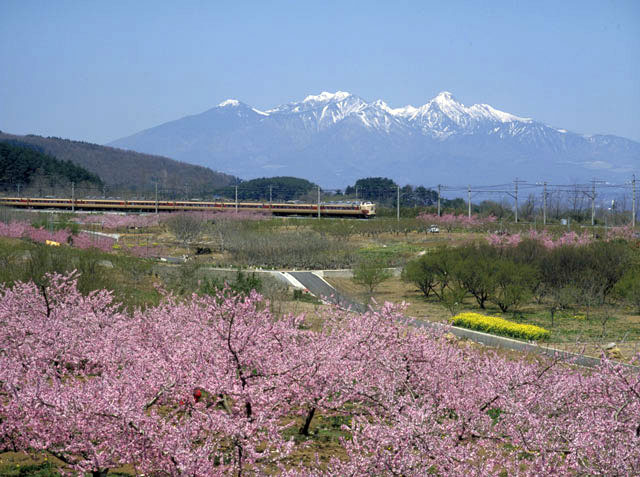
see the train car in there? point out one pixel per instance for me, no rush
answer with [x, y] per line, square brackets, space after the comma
[333, 209]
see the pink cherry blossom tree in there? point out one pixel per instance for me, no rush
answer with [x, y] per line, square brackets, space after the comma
[543, 237]
[452, 221]
[83, 240]
[207, 386]
[97, 388]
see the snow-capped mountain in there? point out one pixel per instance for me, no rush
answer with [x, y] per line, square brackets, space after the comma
[336, 138]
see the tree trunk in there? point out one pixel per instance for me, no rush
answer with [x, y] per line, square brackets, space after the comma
[239, 474]
[307, 423]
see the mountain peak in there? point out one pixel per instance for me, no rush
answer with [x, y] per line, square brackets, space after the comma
[446, 104]
[404, 112]
[445, 97]
[229, 102]
[326, 96]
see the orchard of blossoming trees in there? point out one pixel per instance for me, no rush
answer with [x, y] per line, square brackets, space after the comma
[83, 240]
[546, 239]
[209, 387]
[543, 237]
[451, 221]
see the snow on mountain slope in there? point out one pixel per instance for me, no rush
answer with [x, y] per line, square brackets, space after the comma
[440, 117]
[338, 137]
[229, 102]
[443, 116]
[317, 112]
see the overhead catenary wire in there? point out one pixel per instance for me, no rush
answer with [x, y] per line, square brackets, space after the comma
[276, 191]
[541, 195]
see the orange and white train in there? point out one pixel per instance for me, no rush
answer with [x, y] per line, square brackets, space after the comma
[336, 209]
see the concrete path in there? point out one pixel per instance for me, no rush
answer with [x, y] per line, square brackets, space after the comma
[516, 345]
[321, 289]
[102, 234]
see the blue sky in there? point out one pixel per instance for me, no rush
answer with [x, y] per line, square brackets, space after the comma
[100, 70]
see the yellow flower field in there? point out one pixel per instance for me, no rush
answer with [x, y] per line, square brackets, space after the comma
[499, 326]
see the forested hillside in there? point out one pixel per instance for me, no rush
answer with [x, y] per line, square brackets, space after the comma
[127, 169]
[26, 166]
[280, 188]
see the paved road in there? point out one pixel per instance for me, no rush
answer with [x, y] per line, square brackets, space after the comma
[322, 289]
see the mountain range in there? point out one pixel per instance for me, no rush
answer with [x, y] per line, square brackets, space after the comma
[335, 138]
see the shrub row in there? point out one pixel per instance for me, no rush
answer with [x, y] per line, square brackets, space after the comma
[511, 277]
[499, 326]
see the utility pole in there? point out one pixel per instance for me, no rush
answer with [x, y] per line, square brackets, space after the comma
[270, 195]
[592, 196]
[236, 199]
[593, 202]
[469, 200]
[398, 205]
[516, 183]
[356, 192]
[73, 197]
[156, 198]
[633, 203]
[516, 198]
[318, 201]
[19, 189]
[104, 191]
[439, 189]
[544, 205]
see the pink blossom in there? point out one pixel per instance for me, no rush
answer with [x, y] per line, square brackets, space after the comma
[42, 235]
[85, 240]
[207, 386]
[543, 237]
[451, 221]
[14, 229]
[625, 232]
